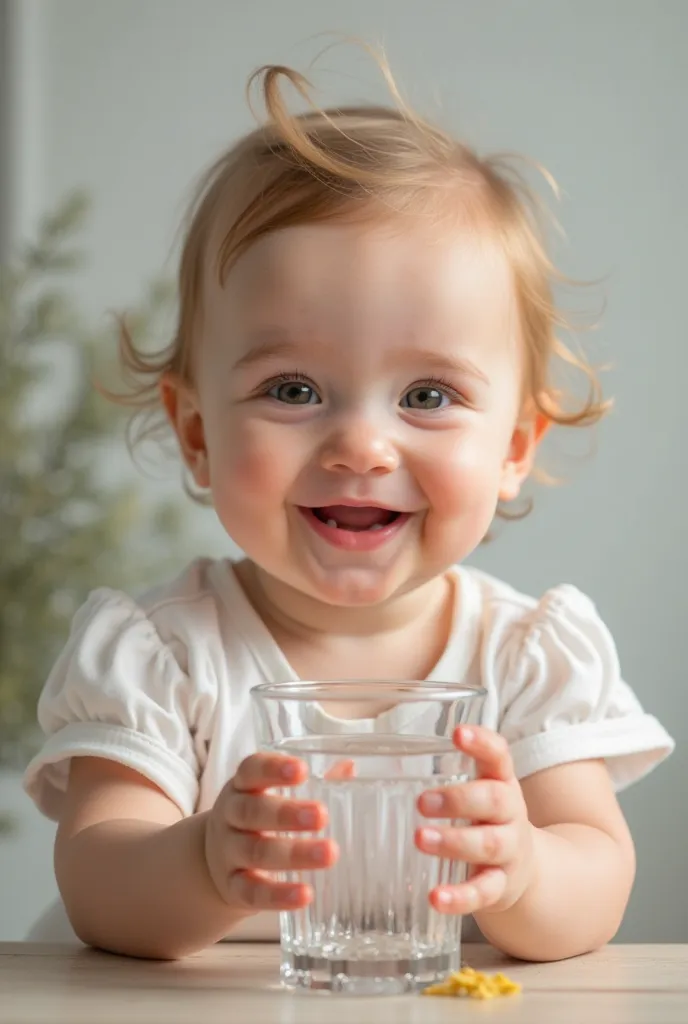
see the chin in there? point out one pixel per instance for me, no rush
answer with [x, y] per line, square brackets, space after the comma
[353, 588]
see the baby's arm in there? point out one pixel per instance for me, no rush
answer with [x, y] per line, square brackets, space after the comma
[583, 867]
[131, 869]
[138, 878]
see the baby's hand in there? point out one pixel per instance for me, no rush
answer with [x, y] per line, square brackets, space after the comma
[240, 848]
[497, 843]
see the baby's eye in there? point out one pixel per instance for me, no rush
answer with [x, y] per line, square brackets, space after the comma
[294, 392]
[424, 397]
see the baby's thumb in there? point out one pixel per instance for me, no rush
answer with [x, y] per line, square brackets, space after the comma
[341, 770]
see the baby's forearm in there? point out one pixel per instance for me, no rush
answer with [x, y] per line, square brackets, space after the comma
[143, 889]
[575, 904]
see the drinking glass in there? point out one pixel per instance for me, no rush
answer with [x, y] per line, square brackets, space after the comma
[371, 747]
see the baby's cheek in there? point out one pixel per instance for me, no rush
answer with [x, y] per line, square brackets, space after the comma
[465, 474]
[246, 462]
[255, 473]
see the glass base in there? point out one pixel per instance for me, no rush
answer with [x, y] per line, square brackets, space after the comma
[366, 977]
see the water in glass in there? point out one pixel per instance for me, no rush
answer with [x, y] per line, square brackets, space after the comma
[370, 927]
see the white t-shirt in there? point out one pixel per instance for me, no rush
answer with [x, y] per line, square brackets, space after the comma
[162, 684]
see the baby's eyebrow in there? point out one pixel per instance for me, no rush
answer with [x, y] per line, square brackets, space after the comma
[265, 344]
[270, 342]
[439, 362]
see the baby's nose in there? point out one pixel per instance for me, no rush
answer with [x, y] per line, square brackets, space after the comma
[359, 448]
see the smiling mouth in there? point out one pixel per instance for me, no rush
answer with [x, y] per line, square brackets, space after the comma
[355, 519]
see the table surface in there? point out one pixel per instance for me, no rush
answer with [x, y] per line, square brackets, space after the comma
[239, 982]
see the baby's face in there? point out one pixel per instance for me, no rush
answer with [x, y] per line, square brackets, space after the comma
[355, 415]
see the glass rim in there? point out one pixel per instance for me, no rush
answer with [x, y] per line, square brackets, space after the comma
[338, 690]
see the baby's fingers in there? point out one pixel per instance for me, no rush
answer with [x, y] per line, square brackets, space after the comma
[489, 750]
[265, 812]
[274, 853]
[480, 800]
[254, 891]
[472, 844]
[266, 771]
[485, 888]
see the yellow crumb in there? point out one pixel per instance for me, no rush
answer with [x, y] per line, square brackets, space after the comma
[474, 984]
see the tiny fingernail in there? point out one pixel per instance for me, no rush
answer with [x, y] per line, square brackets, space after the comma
[293, 896]
[444, 897]
[431, 837]
[431, 803]
[467, 735]
[307, 818]
[289, 771]
[320, 853]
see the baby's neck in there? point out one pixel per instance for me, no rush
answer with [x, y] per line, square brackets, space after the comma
[403, 640]
[302, 617]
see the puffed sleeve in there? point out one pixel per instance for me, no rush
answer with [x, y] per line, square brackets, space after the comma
[118, 692]
[564, 699]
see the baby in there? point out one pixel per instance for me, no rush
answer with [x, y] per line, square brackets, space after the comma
[362, 370]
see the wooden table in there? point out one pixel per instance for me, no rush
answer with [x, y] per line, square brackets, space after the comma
[238, 984]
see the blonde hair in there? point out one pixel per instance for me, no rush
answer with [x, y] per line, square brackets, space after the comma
[332, 163]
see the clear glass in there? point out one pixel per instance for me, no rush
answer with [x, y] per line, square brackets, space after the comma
[371, 749]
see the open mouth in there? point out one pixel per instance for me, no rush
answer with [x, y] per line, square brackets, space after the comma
[354, 518]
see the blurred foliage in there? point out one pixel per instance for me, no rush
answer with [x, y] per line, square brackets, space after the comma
[8, 825]
[67, 524]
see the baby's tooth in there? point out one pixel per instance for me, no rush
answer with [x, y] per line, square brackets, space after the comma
[332, 522]
[376, 526]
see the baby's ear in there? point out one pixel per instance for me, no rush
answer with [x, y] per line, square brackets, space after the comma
[527, 435]
[541, 426]
[180, 402]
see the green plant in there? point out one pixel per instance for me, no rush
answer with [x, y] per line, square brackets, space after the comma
[67, 522]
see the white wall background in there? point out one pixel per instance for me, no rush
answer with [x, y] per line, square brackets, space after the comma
[132, 97]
